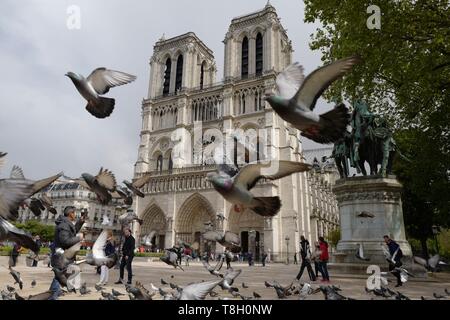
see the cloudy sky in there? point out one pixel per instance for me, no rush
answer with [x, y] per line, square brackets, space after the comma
[44, 126]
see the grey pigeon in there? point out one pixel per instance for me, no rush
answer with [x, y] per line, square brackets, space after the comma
[98, 288]
[35, 206]
[33, 283]
[41, 296]
[282, 292]
[360, 253]
[256, 295]
[228, 279]
[244, 285]
[226, 239]
[102, 184]
[298, 96]
[438, 296]
[116, 293]
[2, 158]
[128, 217]
[98, 83]
[84, 290]
[163, 282]
[16, 275]
[198, 291]
[331, 294]
[171, 259]
[15, 190]
[10, 289]
[10, 232]
[237, 189]
[213, 270]
[124, 194]
[47, 203]
[97, 257]
[138, 184]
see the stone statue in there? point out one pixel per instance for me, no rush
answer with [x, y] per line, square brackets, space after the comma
[341, 153]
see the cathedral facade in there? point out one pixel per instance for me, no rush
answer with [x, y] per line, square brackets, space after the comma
[187, 111]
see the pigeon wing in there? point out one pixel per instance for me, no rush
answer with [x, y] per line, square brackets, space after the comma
[231, 274]
[433, 261]
[2, 158]
[18, 235]
[253, 172]
[98, 250]
[233, 238]
[103, 79]
[290, 80]
[198, 291]
[212, 236]
[142, 181]
[41, 184]
[106, 179]
[12, 193]
[16, 173]
[82, 183]
[320, 79]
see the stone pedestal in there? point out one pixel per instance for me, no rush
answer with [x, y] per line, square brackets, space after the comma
[378, 196]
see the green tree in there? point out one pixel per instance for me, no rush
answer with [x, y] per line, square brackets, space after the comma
[45, 232]
[405, 77]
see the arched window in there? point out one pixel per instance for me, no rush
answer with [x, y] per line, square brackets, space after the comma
[170, 163]
[179, 74]
[244, 66]
[159, 163]
[166, 86]
[202, 74]
[259, 54]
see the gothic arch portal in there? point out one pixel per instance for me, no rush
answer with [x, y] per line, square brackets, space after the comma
[154, 221]
[190, 219]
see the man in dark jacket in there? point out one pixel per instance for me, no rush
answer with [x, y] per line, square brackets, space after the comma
[127, 256]
[65, 237]
[396, 256]
[305, 253]
[39, 244]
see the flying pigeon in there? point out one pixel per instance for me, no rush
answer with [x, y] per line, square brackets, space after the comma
[237, 189]
[16, 275]
[213, 270]
[228, 279]
[97, 257]
[105, 220]
[137, 184]
[298, 96]
[226, 239]
[126, 218]
[98, 83]
[171, 259]
[198, 291]
[47, 202]
[124, 194]
[9, 232]
[15, 190]
[360, 253]
[2, 158]
[35, 206]
[102, 184]
[147, 239]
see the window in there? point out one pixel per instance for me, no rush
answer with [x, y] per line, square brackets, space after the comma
[202, 74]
[259, 54]
[170, 163]
[179, 75]
[244, 68]
[166, 85]
[159, 163]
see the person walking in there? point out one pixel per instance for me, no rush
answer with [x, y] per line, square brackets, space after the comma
[315, 258]
[295, 258]
[127, 256]
[323, 259]
[14, 254]
[305, 253]
[228, 258]
[36, 256]
[109, 250]
[65, 237]
[250, 259]
[264, 257]
[396, 256]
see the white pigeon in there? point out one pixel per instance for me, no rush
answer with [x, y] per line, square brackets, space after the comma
[360, 253]
[198, 291]
[106, 220]
[298, 96]
[97, 257]
[98, 83]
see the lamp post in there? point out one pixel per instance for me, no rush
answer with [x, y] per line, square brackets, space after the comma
[287, 248]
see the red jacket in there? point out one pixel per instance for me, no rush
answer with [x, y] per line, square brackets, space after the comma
[323, 252]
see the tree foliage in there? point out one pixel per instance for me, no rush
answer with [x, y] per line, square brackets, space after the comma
[405, 77]
[45, 232]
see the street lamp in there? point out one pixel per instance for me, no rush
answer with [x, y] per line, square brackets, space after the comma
[287, 248]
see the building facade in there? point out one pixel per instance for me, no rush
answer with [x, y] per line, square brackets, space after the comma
[65, 192]
[186, 112]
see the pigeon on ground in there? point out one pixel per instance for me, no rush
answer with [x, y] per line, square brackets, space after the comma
[138, 184]
[116, 293]
[401, 296]
[282, 292]
[365, 214]
[10, 289]
[9, 232]
[198, 291]
[331, 294]
[15, 190]
[41, 296]
[256, 295]
[102, 184]
[360, 253]
[447, 292]
[213, 270]
[97, 257]
[244, 285]
[171, 258]
[16, 275]
[163, 282]
[98, 287]
[298, 96]
[226, 239]
[438, 296]
[98, 83]
[129, 216]
[84, 290]
[237, 189]
[33, 283]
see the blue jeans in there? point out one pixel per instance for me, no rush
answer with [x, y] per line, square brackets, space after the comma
[55, 288]
[324, 270]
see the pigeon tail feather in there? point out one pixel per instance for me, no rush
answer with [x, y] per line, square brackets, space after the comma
[267, 206]
[101, 108]
[332, 126]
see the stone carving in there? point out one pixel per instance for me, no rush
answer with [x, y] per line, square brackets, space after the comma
[378, 196]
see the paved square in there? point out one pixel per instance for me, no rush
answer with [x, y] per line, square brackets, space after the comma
[147, 271]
